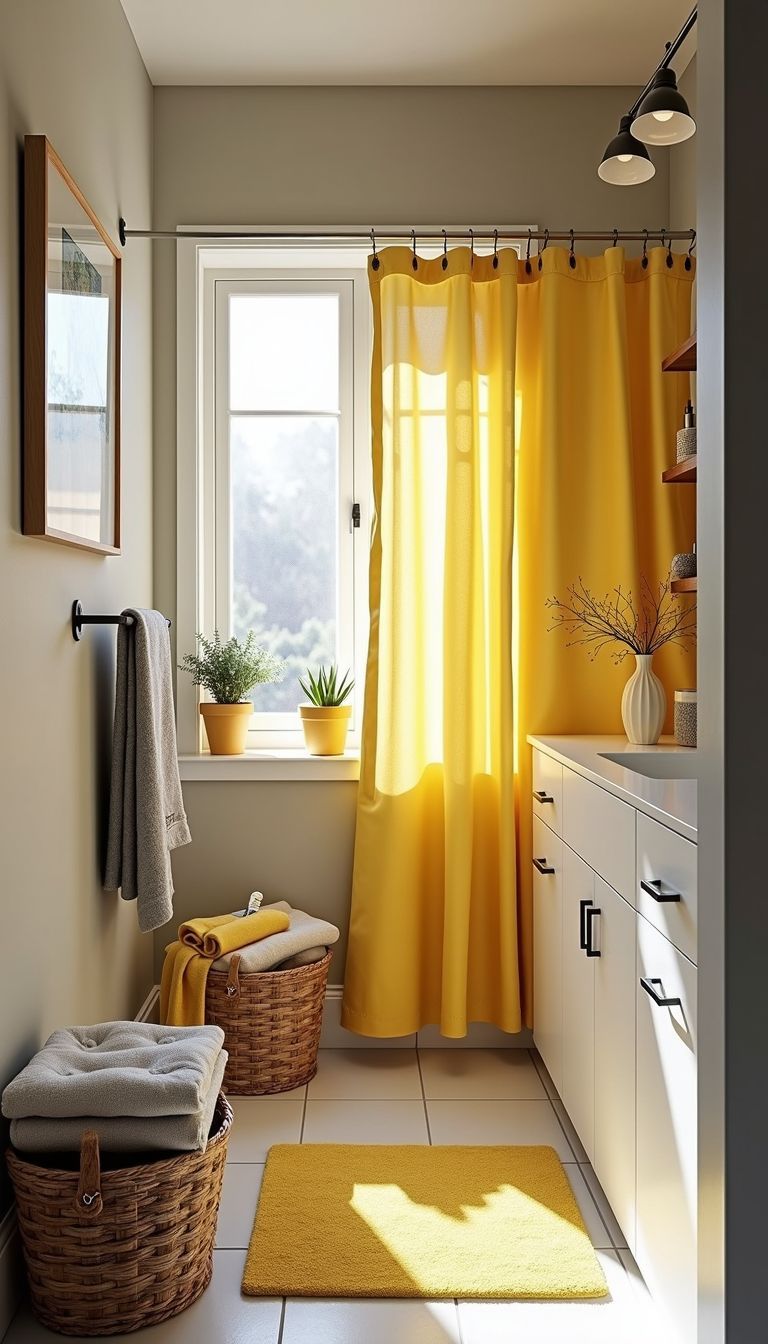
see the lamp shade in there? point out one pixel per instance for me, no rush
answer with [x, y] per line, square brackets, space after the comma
[626, 161]
[663, 117]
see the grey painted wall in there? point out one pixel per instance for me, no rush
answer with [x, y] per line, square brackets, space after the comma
[249, 156]
[73, 953]
[682, 162]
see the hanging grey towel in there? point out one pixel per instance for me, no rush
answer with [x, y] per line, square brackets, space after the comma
[146, 807]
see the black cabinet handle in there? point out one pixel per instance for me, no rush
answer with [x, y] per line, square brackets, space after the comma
[589, 915]
[583, 906]
[542, 797]
[658, 999]
[542, 866]
[655, 887]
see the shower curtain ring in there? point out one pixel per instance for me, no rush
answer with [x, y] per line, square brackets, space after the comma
[415, 262]
[572, 255]
[644, 261]
[375, 263]
[528, 254]
[495, 249]
[670, 258]
[471, 247]
[544, 248]
[689, 257]
[615, 238]
[445, 250]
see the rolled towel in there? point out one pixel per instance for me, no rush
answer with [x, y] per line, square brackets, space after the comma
[117, 1068]
[188, 960]
[305, 931]
[123, 1134]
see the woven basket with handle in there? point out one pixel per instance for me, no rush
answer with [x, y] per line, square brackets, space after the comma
[271, 1021]
[109, 1248]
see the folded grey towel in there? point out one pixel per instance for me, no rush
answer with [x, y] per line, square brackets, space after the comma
[123, 1134]
[146, 807]
[306, 958]
[305, 931]
[117, 1068]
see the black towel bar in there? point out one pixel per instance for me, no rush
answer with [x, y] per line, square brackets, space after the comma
[79, 619]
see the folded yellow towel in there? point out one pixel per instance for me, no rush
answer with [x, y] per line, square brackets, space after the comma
[188, 960]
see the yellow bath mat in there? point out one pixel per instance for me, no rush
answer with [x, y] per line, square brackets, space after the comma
[340, 1220]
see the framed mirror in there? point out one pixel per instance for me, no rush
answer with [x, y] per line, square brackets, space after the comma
[72, 361]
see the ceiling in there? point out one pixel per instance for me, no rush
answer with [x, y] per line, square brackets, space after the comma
[404, 41]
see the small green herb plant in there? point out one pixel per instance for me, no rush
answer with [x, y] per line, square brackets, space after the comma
[228, 671]
[325, 689]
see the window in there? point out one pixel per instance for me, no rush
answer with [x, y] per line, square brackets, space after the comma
[284, 507]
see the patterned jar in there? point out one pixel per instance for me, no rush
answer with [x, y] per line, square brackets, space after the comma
[686, 704]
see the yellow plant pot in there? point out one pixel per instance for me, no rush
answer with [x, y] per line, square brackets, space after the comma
[325, 728]
[226, 727]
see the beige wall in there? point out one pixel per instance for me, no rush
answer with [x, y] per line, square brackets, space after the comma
[72, 952]
[347, 156]
[682, 163]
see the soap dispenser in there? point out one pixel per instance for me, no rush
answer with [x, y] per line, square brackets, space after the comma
[686, 437]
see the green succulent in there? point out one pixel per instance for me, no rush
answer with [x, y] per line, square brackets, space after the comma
[228, 671]
[325, 689]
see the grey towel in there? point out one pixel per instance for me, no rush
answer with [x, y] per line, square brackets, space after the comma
[117, 1068]
[305, 931]
[123, 1134]
[146, 808]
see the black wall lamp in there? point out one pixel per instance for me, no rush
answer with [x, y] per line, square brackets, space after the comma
[659, 116]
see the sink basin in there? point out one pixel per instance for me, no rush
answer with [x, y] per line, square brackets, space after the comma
[657, 764]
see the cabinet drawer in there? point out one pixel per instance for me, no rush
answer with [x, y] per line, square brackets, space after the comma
[665, 1246]
[548, 790]
[548, 948]
[602, 830]
[666, 883]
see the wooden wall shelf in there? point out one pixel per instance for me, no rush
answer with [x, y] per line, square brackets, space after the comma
[683, 359]
[684, 586]
[683, 473]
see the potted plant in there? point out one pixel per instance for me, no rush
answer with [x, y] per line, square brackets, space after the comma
[228, 671]
[640, 628]
[325, 719]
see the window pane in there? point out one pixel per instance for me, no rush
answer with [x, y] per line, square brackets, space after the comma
[284, 497]
[284, 352]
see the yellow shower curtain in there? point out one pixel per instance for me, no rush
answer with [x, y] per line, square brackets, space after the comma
[440, 928]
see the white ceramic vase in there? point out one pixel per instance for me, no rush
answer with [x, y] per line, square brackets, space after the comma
[643, 704]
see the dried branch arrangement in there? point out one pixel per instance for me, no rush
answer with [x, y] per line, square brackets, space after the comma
[641, 626]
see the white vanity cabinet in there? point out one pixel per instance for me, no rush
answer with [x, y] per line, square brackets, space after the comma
[615, 1010]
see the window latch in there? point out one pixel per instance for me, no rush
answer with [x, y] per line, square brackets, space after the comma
[355, 515]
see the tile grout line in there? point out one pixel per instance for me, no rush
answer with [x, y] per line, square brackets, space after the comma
[281, 1326]
[615, 1247]
[423, 1097]
[303, 1118]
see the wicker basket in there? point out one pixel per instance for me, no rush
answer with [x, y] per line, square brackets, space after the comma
[272, 1023]
[111, 1248]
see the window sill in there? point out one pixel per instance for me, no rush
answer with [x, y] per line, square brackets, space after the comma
[276, 765]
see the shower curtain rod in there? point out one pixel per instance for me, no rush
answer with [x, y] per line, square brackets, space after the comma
[439, 236]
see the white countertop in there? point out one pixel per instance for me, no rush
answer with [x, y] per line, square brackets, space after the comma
[670, 801]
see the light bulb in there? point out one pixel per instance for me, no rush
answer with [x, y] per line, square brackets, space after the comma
[624, 158]
[662, 116]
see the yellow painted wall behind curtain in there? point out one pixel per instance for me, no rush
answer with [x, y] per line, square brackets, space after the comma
[433, 930]
[597, 428]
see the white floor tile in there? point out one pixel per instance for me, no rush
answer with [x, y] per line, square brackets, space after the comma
[365, 1122]
[486, 1074]
[598, 1232]
[349, 1074]
[326, 1321]
[606, 1212]
[504, 1122]
[480, 1035]
[260, 1122]
[650, 1319]
[570, 1133]
[221, 1314]
[611, 1320]
[239, 1197]
[545, 1076]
